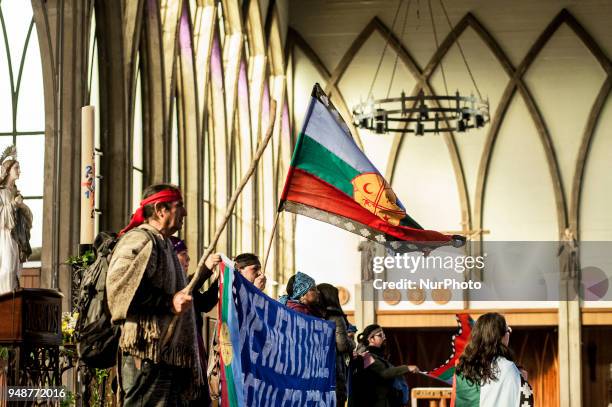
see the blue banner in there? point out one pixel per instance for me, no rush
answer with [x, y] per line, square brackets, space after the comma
[286, 358]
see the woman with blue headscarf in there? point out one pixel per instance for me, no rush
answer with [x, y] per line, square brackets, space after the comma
[302, 295]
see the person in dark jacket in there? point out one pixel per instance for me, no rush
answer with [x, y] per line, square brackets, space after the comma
[374, 379]
[332, 311]
[203, 302]
[302, 295]
[247, 264]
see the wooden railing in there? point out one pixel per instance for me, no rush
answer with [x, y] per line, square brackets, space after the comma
[437, 396]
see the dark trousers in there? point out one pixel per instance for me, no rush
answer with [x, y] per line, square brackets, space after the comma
[150, 384]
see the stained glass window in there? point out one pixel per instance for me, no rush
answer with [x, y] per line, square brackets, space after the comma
[137, 150]
[174, 145]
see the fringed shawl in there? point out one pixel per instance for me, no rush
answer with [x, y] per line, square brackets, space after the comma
[136, 257]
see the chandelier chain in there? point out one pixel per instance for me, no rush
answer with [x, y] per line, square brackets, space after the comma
[397, 53]
[382, 57]
[421, 113]
[435, 33]
[460, 50]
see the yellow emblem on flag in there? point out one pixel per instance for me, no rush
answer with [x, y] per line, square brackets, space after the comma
[225, 343]
[374, 193]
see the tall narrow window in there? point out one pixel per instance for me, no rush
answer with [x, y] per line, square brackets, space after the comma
[137, 151]
[174, 145]
[221, 19]
[22, 108]
[207, 178]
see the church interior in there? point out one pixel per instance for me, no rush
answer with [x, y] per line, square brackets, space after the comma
[185, 91]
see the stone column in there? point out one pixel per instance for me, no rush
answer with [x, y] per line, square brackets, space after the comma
[62, 28]
[365, 310]
[118, 42]
[570, 349]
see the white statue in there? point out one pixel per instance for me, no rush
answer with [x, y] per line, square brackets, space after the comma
[15, 223]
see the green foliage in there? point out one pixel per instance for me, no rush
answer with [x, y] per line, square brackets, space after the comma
[69, 400]
[82, 261]
[4, 353]
[100, 375]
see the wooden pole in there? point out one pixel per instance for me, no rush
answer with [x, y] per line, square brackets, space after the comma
[263, 269]
[234, 198]
[230, 208]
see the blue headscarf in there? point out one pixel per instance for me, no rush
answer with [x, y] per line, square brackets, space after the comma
[301, 284]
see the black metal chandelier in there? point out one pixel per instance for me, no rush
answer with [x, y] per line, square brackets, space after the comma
[423, 113]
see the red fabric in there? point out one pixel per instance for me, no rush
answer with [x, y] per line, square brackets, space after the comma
[303, 308]
[167, 195]
[459, 343]
[287, 183]
[312, 191]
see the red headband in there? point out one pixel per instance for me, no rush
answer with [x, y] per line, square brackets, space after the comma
[167, 195]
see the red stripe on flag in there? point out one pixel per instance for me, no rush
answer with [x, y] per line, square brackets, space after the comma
[459, 343]
[287, 184]
[309, 190]
[439, 372]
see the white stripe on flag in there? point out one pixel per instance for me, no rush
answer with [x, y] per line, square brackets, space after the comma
[325, 130]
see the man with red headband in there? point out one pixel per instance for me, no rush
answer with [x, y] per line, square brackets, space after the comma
[145, 288]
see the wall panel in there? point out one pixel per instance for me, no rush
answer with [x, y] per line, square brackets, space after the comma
[563, 92]
[518, 201]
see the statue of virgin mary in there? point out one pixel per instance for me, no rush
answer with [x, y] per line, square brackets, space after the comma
[15, 223]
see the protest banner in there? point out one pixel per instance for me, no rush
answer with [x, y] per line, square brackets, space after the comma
[271, 355]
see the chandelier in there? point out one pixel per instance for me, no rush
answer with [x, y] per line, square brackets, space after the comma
[423, 113]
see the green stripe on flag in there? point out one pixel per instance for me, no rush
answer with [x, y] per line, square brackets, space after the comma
[447, 375]
[229, 376]
[467, 394]
[322, 163]
[225, 299]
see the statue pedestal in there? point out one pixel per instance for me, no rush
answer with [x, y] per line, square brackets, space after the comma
[31, 316]
[32, 329]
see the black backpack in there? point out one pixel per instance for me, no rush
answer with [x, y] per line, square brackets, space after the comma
[97, 338]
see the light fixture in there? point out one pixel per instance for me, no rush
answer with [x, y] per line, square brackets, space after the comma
[423, 113]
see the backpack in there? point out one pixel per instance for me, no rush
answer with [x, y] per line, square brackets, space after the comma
[97, 337]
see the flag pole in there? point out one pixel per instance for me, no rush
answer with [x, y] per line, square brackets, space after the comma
[263, 268]
[228, 213]
[234, 198]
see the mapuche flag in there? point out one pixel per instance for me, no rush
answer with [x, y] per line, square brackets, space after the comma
[458, 344]
[332, 180]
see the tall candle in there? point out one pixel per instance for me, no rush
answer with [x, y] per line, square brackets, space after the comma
[87, 178]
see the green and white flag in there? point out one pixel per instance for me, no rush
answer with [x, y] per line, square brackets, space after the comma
[509, 390]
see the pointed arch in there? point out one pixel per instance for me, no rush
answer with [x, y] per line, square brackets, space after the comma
[294, 39]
